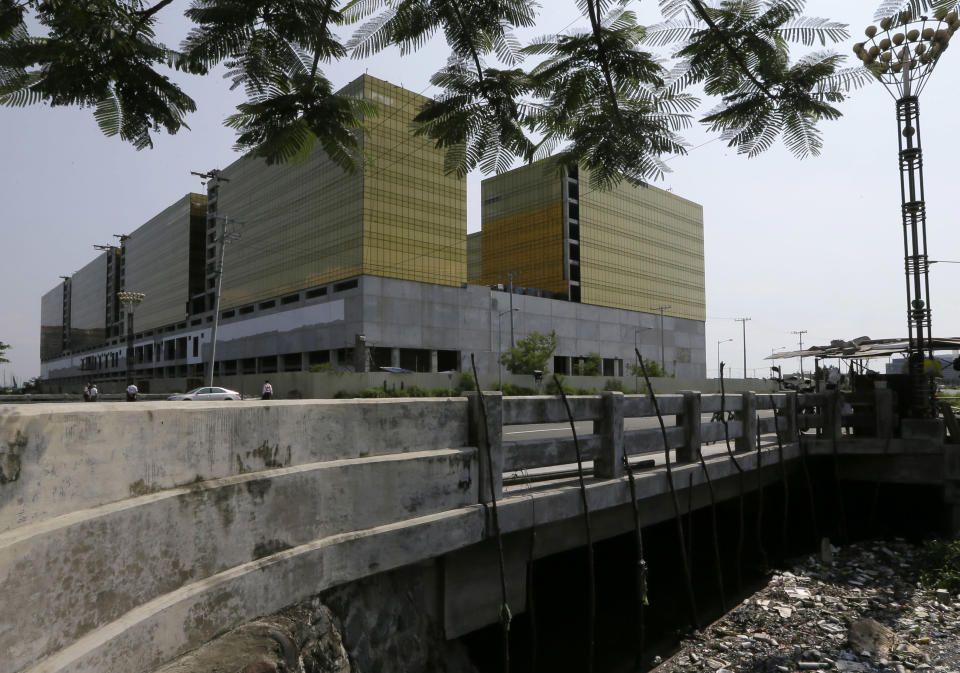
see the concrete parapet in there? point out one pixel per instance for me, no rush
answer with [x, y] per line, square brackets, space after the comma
[114, 558]
[68, 457]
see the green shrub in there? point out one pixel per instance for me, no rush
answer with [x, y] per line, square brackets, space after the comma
[614, 384]
[940, 565]
[327, 368]
[512, 390]
[372, 392]
[552, 389]
[467, 382]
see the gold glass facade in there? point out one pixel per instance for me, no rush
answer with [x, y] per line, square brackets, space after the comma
[157, 263]
[633, 248]
[312, 223]
[88, 293]
[474, 257]
[414, 216]
[522, 216]
[641, 247]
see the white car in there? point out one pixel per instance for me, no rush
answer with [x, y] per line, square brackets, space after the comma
[206, 394]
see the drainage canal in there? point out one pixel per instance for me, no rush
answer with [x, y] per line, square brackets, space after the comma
[553, 635]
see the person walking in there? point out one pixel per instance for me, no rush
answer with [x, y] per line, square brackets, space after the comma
[267, 392]
[132, 393]
[86, 392]
[94, 393]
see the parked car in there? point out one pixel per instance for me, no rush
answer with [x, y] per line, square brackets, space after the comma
[794, 382]
[206, 394]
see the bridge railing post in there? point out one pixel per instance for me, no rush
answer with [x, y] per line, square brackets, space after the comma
[832, 418]
[788, 425]
[609, 463]
[883, 412]
[690, 421]
[747, 441]
[480, 435]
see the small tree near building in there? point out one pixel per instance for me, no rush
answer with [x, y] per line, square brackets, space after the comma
[590, 365]
[531, 353]
[653, 369]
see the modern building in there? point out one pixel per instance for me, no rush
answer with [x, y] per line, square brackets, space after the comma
[359, 270]
[638, 248]
[631, 247]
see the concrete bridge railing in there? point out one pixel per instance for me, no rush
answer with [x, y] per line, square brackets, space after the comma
[132, 533]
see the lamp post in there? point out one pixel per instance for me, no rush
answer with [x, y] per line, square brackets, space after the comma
[636, 349]
[902, 54]
[720, 341]
[800, 333]
[500, 347]
[223, 237]
[130, 301]
[663, 362]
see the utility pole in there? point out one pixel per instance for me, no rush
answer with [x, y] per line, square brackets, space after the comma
[223, 238]
[663, 362]
[743, 321]
[513, 343]
[800, 333]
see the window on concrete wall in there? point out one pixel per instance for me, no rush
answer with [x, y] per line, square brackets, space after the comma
[268, 364]
[379, 357]
[448, 361]
[415, 359]
[609, 367]
[228, 367]
[292, 362]
[318, 357]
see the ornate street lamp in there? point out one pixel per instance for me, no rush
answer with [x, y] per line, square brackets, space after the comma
[902, 53]
[130, 301]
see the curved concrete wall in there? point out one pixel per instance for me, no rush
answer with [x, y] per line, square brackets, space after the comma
[111, 513]
[75, 456]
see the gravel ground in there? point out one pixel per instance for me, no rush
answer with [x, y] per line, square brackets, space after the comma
[857, 609]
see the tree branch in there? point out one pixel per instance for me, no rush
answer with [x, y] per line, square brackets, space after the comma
[731, 49]
[602, 55]
[147, 13]
[473, 48]
[323, 26]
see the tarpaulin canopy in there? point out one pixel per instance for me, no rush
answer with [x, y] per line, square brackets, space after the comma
[865, 347]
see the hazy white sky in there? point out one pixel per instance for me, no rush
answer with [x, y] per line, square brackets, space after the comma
[810, 245]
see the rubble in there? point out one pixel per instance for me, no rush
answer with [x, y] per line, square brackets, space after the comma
[856, 609]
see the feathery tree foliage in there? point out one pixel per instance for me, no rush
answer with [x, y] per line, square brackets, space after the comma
[3, 351]
[600, 96]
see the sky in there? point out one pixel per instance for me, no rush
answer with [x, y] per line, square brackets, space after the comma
[793, 245]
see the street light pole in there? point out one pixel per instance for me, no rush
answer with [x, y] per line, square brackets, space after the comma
[721, 341]
[663, 361]
[130, 301]
[500, 347]
[800, 333]
[902, 54]
[222, 239]
[743, 321]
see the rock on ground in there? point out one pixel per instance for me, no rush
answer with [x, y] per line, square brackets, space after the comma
[861, 612]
